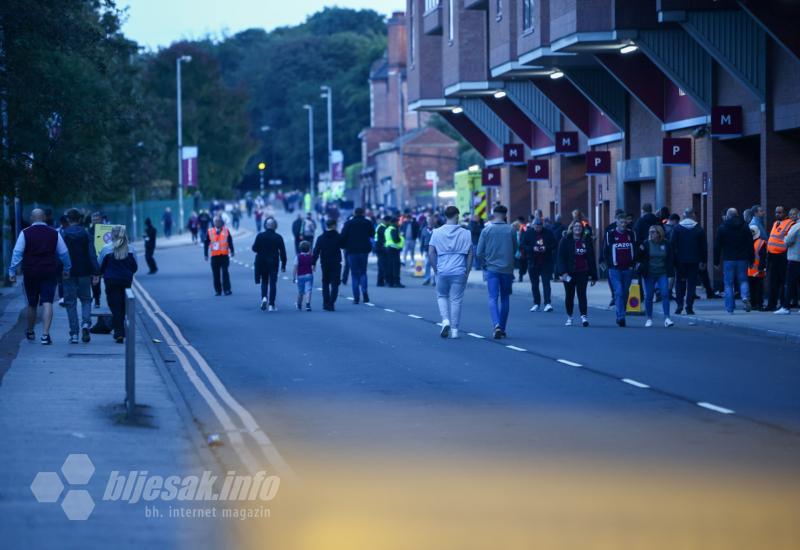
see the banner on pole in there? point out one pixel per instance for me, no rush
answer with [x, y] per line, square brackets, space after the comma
[189, 160]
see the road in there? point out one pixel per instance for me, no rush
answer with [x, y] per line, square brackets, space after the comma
[368, 380]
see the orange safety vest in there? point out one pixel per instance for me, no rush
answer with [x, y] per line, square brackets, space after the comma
[753, 270]
[779, 232]
[218, 242]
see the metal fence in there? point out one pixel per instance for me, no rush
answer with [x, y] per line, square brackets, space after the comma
[130, 352]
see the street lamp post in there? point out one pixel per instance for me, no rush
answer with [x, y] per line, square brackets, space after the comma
[327, 93]
[184, 58]
[310, 110]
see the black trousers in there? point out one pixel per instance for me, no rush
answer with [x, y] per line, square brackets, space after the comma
[392, 266]
[577, 284]
[382, 276]
[545, 272]
[219, 268]
[330, 284]
[776, 271]
[269, 285]
[148, 256]
[115, 295]
[686, 285]
[792, 278]
[756, 292]
[97, 291]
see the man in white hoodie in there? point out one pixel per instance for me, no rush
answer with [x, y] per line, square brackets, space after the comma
[450, 255]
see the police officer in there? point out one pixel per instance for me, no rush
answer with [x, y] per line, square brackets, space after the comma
[220, 242]
[395, 241]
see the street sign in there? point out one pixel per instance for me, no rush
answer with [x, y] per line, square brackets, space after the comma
[567, 143]
[538, 170]
[677, 151]
[598, 163]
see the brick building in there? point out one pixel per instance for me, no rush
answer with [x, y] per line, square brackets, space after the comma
[621, 76]
[398, 148]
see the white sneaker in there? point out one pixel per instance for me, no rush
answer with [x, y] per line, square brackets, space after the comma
[548, 308]
[273, 308]
[263, 304]
[454, 333]
[569, 322]
[584, 321]
[535, 307]
[668, 322]
[73, 339]
[445, 329]
[782, 311]
[648, 323]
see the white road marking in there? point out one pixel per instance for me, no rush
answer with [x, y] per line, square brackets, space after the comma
[569, 363]
[285, 278]
[414, 316]
[476, 335]
[350, 298]
[319, 288]
[635, 383]
[265, 444]
[515, 348]
[714, 408]
[370, 304]
[388, 310]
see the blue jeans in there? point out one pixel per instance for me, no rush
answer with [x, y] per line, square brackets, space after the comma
[305, 284]
[734, 271]
[78, 288]
[358, 272]
[499, 286]
[449, 295]
[650, 284]
[621, 283]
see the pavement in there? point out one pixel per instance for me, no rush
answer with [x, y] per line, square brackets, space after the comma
[369, 400]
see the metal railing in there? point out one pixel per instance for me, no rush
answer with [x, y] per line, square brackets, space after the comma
[130, 352]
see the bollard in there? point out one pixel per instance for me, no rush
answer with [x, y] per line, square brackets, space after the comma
[130, 352]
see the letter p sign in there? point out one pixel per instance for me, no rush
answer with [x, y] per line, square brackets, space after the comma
[677, 152]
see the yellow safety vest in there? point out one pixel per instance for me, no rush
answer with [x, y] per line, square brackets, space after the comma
[390, 242]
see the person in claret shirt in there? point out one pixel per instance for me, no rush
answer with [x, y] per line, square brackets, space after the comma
[619, 253]
[577, 267]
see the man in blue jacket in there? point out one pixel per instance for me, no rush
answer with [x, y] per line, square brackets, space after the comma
[690, 250]
[84, 273]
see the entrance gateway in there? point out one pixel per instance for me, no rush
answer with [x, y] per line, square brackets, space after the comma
[634, 180]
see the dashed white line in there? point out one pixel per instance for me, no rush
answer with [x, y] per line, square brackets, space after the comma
[285, 278]
[635, 383]
[414, 316]
[715, 408]
[569, 363]
[319, 288]
[370, 304]
[386, 309]
[476, 335]
[515, 348]
[350, 298]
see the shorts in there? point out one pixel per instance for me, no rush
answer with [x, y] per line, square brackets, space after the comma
[305, 284]
[40, 290]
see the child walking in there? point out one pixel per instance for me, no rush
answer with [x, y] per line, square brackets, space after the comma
[303, 275]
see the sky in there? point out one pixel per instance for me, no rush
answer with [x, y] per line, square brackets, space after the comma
[158, 23]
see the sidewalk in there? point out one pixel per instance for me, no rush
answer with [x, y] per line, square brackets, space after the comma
[707, 312]
[67, 399]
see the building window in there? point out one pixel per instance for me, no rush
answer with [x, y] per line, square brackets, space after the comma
[431, 5]
[527, 15]
[451, 31]
[498, 9]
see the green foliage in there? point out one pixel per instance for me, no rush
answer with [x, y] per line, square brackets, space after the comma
[351, 175]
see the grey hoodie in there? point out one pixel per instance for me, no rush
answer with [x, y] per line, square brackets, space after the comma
[452, 243]
[497, 246]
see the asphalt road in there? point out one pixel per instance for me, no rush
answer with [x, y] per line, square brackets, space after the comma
[380, 379]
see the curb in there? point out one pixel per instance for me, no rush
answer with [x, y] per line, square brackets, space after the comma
[788, 337]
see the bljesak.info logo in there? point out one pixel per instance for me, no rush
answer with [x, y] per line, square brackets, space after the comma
[236, 498]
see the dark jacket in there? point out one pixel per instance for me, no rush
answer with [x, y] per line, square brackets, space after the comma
[270, 252]
[565, 258]
[644, 259]
[297, 227]
[608, 242]
[643, 225]
[149, 239]
[357, 235]
[380, 238]
[82, 253]
[733, 242]
[475, 229]
[529, 239]
[40, 258]
[689, 243]
[414, 228]
[119, 271]
[328, 249]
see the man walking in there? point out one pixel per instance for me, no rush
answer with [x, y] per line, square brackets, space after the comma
[220, 241]
[734, 246]
[410, 230]
[776, 257]
[539, 245]
[270, 254]
[619, 252]
[357, 235]
[496, 249]
[450, 254]
[309, 229]
[167, 219]
[84, 272]
[38, 250]
[150, 246]
[690, 249]
[328, 250]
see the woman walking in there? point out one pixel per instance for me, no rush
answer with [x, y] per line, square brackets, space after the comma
[576, 264]
[656, 267]
[117, 266]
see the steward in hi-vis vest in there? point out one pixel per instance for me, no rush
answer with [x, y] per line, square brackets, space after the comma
[776, 257]
[220, 244]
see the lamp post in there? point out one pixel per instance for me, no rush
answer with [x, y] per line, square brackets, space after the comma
[327, 93]
[261, 167]
[310, 110]
[186, 59]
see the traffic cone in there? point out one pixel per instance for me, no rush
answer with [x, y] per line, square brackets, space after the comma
[419, 268]
[635, 300]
